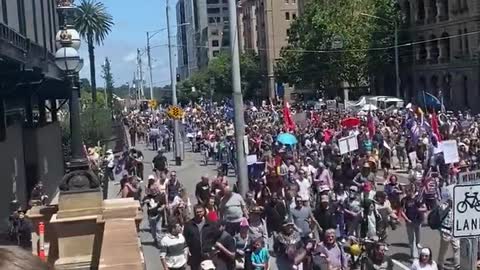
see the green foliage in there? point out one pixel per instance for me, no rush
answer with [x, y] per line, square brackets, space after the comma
[311, 56]
[216, 79]
[94, 24]
[108, 77]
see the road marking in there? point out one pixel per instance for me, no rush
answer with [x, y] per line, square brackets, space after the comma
[401, 265]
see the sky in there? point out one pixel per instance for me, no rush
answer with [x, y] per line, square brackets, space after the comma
[132, 20]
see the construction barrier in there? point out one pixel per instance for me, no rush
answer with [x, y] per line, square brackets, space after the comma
[41, 241]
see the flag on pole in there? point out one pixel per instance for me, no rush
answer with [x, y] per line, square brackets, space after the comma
[287, 118]
[435, 126]
[370, 125]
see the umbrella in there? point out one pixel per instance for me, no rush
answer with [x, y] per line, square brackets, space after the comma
[350, 122]
[369, 107]
[287, 138]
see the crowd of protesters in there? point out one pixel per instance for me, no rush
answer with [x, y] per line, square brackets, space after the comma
[309, 205]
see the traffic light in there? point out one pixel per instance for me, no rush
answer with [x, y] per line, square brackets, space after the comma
[178, 77]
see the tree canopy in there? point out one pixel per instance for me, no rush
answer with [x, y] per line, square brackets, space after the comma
[216, 79]
[338, 40]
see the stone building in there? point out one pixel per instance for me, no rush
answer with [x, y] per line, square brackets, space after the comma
[445, 37]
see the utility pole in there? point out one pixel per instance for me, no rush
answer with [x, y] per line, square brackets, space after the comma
[178, 157]
[149, 66]
[397, 64]
[140, 73]
[237, 100]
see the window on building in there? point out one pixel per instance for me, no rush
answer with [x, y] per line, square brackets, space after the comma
[286, 1]
[4, 11]
[294, 1]
[225, 9]
[226, 19]
[214, 20]
[35, 26]
[288, 32]
[215, 53]
[287, 16]
[214, 32]
[460, 42]
[215, 43]
[213, 10]
[21, 17]
[213, 1]
[466, 45]
[294, 16]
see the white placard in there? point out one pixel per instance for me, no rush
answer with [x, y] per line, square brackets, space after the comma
[245, 145]
[251, 159]
[413, 158]
[450, 151]
[466, 210]
[348, 144]
[331, 105]
[343, 146]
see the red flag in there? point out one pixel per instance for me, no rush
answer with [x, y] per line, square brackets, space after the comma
[370, 125]
[287, 118]
[327, 135]
[435, 128]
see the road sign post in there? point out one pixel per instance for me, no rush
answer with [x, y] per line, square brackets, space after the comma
[466, 217]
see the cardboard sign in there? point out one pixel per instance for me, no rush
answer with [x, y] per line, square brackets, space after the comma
[348, 144]
[300, 119]
[450, 151]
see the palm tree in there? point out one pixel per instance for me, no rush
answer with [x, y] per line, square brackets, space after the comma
[93, 23]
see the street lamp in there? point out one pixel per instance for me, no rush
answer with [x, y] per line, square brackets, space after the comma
[150, 35]
[79, 177]
[397, 64]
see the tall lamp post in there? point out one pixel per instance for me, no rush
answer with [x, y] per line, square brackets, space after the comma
[397, 64]
[68, 60]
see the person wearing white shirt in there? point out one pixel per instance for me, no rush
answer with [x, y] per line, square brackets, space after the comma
[110, 159]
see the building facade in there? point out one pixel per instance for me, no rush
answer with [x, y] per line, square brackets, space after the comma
[265, 25]
[205, 34]
[31, 84]
[445, 61]
[187, 38]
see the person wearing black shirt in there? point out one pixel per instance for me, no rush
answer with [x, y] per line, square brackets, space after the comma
[224, 254]
[200, 236]
[202, 190]
[160, 162]
[276, 212]
[325, 215]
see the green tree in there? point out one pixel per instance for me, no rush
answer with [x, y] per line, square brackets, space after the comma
[311, 57]
[108, 77]
[216, 79]
[94, 23]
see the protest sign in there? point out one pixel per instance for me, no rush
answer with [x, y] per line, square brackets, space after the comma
[450, 151]
[348, 144]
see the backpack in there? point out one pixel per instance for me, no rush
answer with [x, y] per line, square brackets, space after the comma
[436, 217]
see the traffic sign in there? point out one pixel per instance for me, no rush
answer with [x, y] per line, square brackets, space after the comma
[466, 210]
[152, 103]
[175, 112]
[469, 177]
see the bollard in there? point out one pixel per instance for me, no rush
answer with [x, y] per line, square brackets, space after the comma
[41, 237]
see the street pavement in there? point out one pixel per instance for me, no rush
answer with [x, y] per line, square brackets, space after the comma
[192, 169]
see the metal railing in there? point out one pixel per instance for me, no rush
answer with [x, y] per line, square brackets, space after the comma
[13, 37]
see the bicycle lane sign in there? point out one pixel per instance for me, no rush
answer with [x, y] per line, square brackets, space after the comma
[466, 211]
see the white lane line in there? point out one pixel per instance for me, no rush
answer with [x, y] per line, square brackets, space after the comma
[401, 265]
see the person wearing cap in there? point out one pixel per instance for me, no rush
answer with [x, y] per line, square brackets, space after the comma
[257, 225]
[353, 212]
[425, 261]
[288, 247]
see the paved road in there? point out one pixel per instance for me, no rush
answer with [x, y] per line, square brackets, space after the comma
[191, 171]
